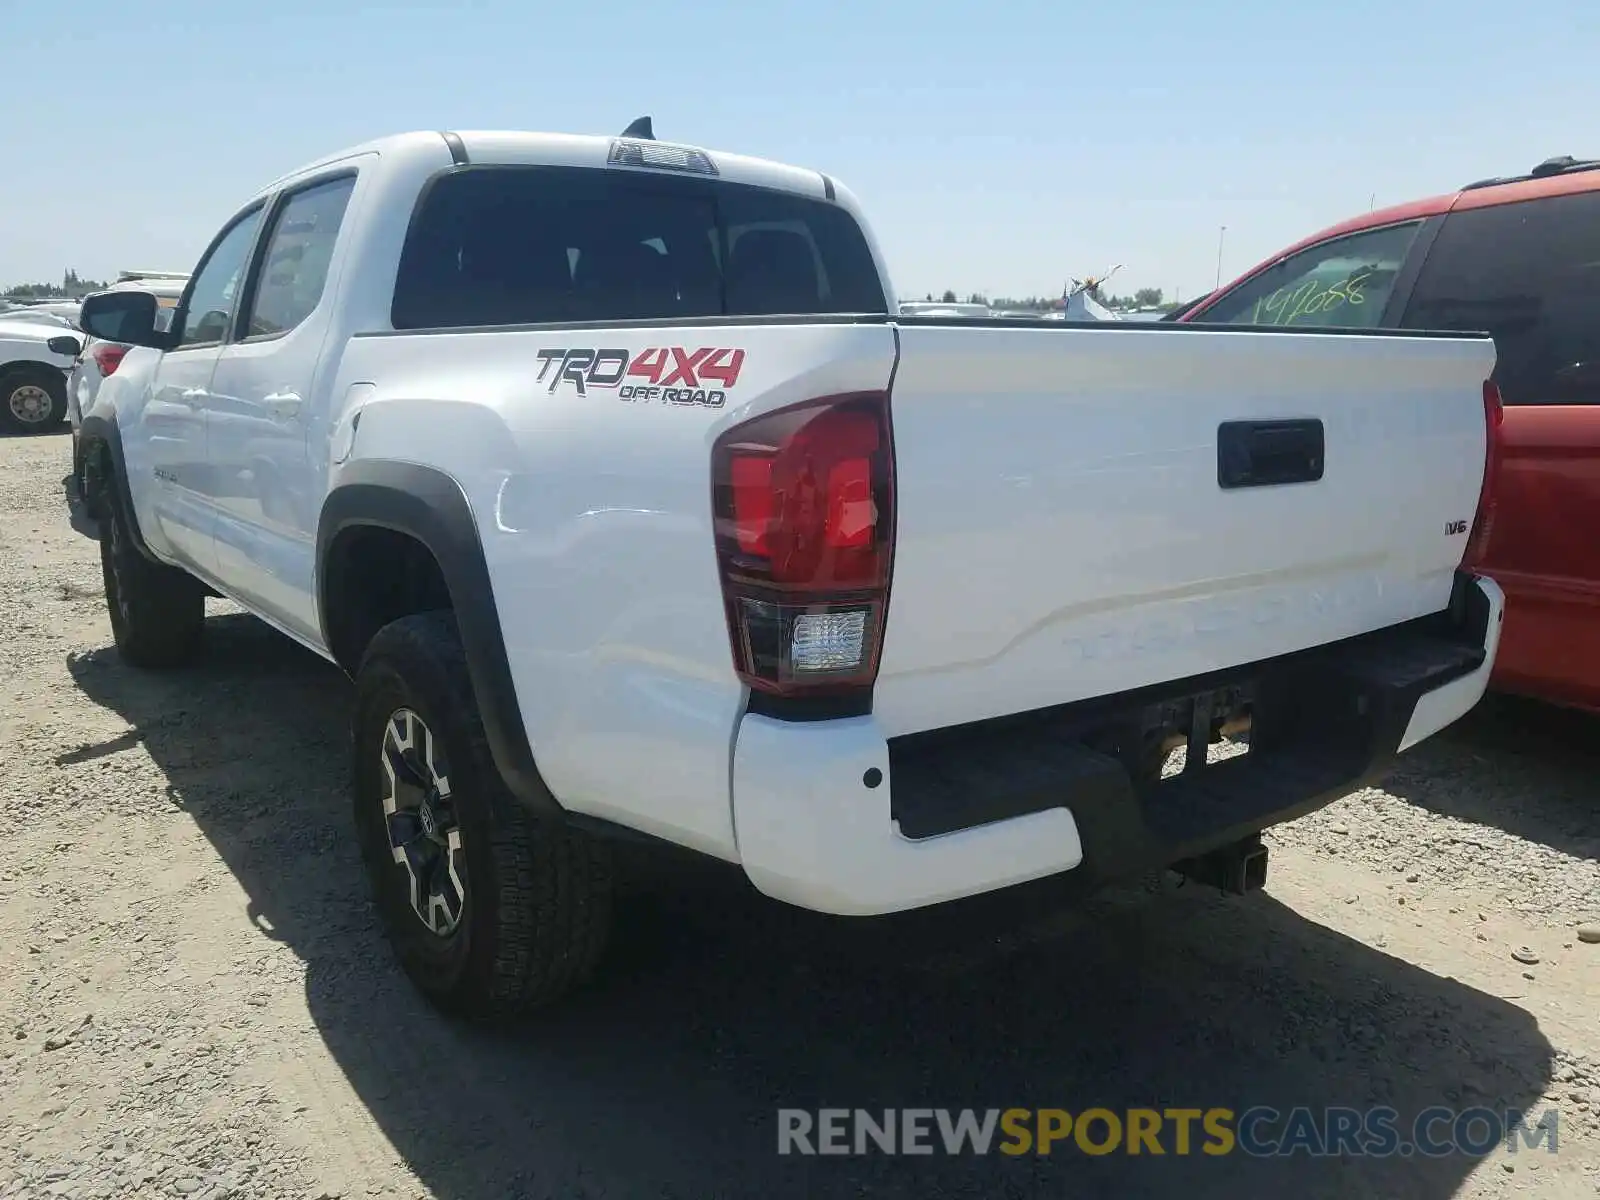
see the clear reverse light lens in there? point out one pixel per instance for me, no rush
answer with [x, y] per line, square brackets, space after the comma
[828, 641]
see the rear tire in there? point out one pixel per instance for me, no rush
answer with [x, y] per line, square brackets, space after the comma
[491, 910]
[157, 612]
[33, 399]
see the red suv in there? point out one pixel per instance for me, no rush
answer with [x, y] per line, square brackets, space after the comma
[1518, 257]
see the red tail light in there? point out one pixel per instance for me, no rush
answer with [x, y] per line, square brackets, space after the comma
[109, 358]
[803, 500]
[1483, 522]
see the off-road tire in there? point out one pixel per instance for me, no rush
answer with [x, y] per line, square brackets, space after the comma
[537, 893]
[35, 379]
[158, 613]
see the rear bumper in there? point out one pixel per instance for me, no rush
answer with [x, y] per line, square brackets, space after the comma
[832, 816]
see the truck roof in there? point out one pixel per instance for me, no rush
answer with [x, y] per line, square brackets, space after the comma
[532, 148]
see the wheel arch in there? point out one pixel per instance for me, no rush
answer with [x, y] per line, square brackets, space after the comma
[429, 508]
[105, 474]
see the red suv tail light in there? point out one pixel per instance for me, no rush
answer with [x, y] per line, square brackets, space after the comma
[1483, 521]
[803, 504]
[109, 357]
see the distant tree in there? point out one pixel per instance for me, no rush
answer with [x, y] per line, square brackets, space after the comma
[949, 297]
[978, 298]
[1148, 297]
[71, 287]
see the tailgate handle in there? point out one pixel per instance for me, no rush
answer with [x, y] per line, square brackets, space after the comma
[1268, 453]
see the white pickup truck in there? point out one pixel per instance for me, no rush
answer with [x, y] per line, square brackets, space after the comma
[610, 472]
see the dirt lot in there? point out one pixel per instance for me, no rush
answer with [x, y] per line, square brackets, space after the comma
[195, 999]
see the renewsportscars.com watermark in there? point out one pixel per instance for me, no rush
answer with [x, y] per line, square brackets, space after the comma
[1260, 1132]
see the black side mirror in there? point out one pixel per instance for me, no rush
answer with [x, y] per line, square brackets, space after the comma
[65, 344]
[128, 317]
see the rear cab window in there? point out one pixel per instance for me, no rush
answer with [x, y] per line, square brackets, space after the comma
[1529, 274]
[500, 245]
[1343, 283]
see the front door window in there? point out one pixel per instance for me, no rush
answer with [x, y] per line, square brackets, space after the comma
[1343, 283]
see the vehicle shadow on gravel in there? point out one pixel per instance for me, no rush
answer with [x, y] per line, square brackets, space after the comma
[1527, 768]
[717, 1007]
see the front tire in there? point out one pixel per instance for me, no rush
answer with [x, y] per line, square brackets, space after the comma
[157, 612]
[490, 910]
[77, 491]
[33, 399]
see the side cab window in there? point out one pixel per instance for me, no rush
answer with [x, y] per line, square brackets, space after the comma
[299, 250]
[1343, 283]
[1528, 273]
[207, 309]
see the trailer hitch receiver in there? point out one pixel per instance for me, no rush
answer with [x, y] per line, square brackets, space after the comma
[1235, 869]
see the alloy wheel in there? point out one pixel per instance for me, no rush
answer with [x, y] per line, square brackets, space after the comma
[424, 833]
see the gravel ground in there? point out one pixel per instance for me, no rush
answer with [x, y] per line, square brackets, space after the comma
[196, 1001]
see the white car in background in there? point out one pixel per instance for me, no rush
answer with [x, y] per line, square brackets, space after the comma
[100, 358]
[35, 355]
[55, 312]
[38, 314]
[935, 308]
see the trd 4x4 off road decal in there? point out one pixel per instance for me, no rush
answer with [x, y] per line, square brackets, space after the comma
[669, 374]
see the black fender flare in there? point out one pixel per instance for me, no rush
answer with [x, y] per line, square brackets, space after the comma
[429, 505]
[95, 431]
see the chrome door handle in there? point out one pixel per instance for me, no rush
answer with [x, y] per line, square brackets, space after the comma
[192, 396]
[283, 404]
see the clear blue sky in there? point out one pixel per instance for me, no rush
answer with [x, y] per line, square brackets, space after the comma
[999, 146]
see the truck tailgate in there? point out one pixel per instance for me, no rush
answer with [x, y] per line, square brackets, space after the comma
[1063, 531]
